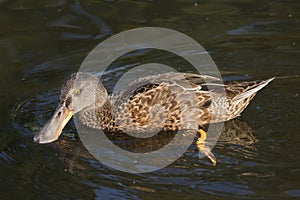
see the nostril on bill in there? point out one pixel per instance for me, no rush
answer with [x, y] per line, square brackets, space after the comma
[59, 114]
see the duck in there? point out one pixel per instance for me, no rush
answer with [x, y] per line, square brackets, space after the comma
[164, 102]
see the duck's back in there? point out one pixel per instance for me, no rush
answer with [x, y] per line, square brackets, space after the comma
[175, 101]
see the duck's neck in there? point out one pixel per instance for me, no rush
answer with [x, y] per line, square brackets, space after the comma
[99, 116]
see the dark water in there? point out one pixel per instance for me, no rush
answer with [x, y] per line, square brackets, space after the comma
[42, 42]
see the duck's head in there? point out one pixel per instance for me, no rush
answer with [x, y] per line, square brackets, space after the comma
[81, 91]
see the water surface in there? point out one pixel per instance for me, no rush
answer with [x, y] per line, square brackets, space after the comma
[43, 42]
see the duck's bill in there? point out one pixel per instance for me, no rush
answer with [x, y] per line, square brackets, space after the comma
[52, 129]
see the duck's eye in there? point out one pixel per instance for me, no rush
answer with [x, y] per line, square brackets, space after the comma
[77, 91]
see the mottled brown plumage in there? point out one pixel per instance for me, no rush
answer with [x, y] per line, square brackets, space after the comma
[168, 102]
[145, 102]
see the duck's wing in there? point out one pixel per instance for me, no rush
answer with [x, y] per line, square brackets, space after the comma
[179, 93]
[168, 96]
[177, 82]
[186, 81]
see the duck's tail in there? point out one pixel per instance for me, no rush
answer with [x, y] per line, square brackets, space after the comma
[248, 93]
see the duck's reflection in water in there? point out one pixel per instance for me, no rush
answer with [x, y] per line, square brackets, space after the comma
[74, 154]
